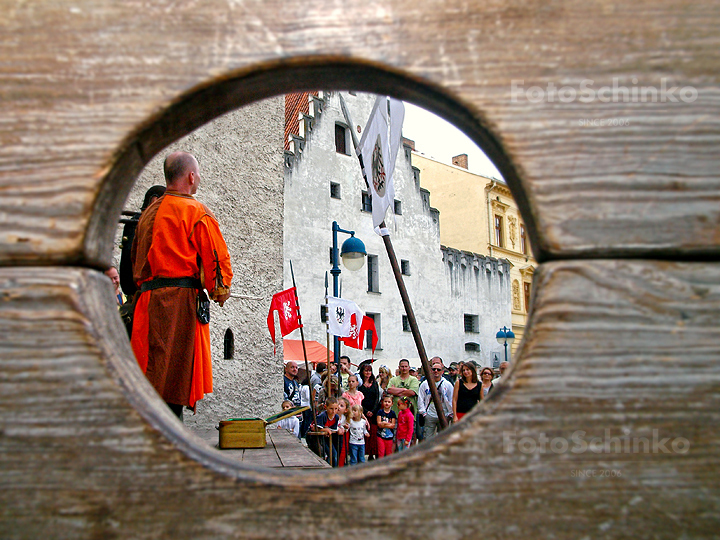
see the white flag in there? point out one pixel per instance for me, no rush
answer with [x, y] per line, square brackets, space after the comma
[340, 320]
[397, 117]
[379, 152]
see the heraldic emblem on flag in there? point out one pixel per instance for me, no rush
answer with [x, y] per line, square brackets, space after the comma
[285, 303]
[378, 168]
[379, 148]
[340, 314]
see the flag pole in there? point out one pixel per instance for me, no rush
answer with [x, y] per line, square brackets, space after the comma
[434, 393]
[328, 386]
[302, 338]
[328, 378]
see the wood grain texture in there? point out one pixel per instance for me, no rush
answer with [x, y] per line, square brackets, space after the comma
[87, 449]
[89, 92]
[80, 112]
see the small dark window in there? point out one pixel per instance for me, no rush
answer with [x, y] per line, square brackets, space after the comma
[404, 267]
[472, 347]
[228, 345]
[406, 324]
[323, 313]
[341, 139]
[366, 202]
[334, 190]
[471, 323]
[397, 208]
[373, 274]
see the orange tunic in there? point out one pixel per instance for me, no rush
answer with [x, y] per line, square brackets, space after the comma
[176, 237]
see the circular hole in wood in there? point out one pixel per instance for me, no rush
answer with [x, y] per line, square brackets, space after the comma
[256, 147]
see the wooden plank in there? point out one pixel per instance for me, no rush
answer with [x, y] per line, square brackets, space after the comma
[262, 457]
[647, 188]
[630, 347]
[291, 452]
[283, 450]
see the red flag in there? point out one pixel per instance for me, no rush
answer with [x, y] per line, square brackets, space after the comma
[355, 340]
[285, 303]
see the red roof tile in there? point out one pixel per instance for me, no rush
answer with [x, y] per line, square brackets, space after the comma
[294, 105]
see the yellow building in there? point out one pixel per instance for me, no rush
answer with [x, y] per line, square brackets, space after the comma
[479, 214]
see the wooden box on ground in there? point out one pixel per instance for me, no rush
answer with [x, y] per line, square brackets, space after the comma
[250, 432]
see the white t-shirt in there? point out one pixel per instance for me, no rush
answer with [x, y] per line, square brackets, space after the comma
[358, 430]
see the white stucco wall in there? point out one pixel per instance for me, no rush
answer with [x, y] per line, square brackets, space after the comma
[439, 295]
[241, 166]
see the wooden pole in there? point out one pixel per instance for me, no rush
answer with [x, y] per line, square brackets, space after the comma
[328, 386]
[435, 395]
[302, 338]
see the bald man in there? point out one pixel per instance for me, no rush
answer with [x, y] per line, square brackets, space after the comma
[177, 252]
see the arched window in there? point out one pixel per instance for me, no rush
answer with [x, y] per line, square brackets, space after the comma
[228, 345]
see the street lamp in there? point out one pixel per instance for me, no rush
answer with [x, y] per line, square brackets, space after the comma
[505, 337]
[353, 255]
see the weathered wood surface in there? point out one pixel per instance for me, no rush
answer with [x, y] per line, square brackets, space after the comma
[283, 449]
[87, 449]
[89, 91]
[83, 114]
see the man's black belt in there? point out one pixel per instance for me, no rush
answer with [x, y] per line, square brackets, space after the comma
[161, 283]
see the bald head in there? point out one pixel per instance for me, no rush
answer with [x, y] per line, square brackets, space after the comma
[182, 172]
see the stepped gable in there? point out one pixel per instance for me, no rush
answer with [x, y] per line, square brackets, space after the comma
[295, 105]
[300, 112]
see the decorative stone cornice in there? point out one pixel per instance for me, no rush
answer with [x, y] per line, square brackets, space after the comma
[496, 187]
[499, 207]
[476, 261]
[527, 271]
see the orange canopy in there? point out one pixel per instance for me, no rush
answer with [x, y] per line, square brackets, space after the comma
[293, 350]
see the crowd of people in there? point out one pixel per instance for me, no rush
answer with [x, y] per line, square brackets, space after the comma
[360, 416]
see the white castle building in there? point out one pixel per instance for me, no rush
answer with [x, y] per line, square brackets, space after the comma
[460, 299]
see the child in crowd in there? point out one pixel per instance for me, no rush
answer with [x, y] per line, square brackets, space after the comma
[386, 420]
[359, 428]
[305, 393]
[343, 426]
[352, 394]
[406, 420]
[343, 412]
[292, 423]
[327, 423]
[328, 388]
